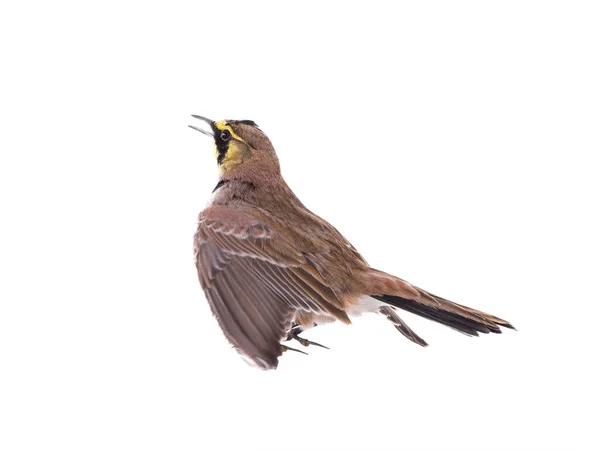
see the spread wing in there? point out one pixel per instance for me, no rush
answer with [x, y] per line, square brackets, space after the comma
[255, 282]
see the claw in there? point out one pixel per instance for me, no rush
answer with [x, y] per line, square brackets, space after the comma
[287, 348]
[294, 334]
[305, 342]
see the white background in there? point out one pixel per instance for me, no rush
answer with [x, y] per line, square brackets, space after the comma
[454, 143]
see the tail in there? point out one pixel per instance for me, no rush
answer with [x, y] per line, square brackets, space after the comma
[399, 293]
[401, 326]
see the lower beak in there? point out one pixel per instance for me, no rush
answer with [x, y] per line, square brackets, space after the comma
[208, 121]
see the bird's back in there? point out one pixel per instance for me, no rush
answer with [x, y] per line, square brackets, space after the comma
[278, 208]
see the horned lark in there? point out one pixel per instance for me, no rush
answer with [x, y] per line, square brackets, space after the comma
[270, 268]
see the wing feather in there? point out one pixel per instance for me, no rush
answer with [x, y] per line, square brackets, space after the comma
[256, 282]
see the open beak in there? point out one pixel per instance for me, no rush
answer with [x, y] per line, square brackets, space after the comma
[208, 121]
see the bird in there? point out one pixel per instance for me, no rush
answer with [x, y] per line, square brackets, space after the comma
[272, 269]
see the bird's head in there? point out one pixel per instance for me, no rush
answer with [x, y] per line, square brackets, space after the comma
[240, 145]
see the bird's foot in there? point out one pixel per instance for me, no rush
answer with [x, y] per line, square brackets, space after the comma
[294, 334]
[305, 342]
[287, 348]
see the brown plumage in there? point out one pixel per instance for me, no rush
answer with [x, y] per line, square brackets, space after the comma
[271, 268]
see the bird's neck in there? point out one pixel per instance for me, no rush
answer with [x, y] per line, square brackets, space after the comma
[272, 192]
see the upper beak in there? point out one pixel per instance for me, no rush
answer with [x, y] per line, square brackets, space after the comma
[208, 121]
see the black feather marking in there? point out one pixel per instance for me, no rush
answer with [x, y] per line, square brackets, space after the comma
[220, 184]
[222, 146]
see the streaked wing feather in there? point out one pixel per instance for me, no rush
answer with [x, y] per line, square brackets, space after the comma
[272, 276]
[255, 282]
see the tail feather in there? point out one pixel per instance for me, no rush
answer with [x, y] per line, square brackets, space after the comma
[458, 317]
[401, 326]
[399, 293]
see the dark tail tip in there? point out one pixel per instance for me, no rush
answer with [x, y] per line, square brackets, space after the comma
[451, 317]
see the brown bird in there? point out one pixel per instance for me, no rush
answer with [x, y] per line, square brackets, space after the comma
[270, 268]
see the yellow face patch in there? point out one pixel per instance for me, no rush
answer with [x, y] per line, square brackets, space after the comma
[236, 148]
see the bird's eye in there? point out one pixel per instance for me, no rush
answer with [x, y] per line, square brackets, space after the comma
[225, 135]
